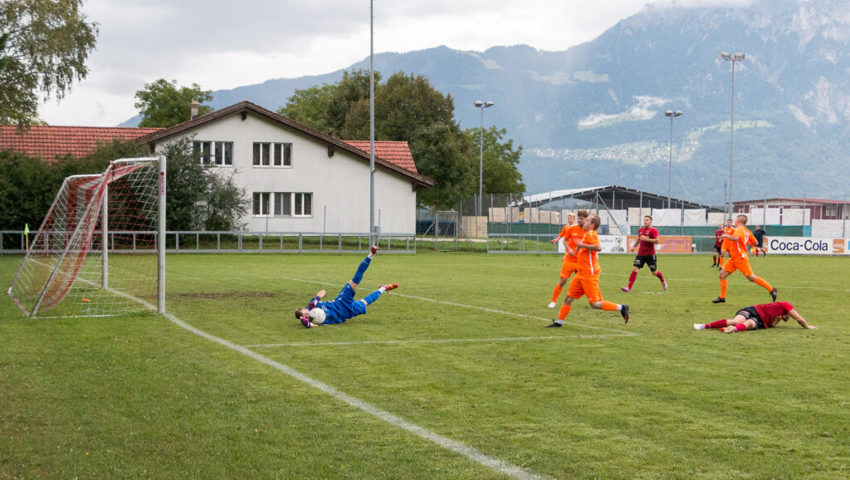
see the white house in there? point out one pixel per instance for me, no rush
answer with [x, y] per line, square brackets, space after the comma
[300, 179]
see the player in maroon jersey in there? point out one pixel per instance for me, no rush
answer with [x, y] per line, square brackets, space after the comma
[718, 242]
[755, 317]
[645, 246]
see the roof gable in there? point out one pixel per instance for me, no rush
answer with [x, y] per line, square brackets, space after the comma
[394, 150]
[48, 142]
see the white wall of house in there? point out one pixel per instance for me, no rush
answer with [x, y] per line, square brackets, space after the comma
[339, 184]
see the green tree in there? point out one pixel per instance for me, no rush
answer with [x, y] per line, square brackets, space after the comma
[407, 108]
[310, 107]
[27, 187]
[163, 104]
[44, 45]
[501, 161]
[198, 197]
[439, 153]
[327, 108]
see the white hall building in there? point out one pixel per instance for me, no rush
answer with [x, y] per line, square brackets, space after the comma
[299, 179]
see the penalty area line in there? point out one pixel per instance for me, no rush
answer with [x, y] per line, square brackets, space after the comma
[447, 443]
[439, 340]
[471, 453]
[620, 333]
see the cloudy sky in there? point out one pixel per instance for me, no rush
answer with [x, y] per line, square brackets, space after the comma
[222, 44]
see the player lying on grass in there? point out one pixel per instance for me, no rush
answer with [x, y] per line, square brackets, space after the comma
[755, 317]
[343, 306]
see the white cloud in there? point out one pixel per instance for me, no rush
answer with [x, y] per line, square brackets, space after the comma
[221, 44]
[644, 109]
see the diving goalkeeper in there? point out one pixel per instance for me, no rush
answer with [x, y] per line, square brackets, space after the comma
[343, 306]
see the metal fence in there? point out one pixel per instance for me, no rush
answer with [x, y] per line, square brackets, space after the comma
[15, 242]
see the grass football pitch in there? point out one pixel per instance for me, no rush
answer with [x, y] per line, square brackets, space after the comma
[451, 376]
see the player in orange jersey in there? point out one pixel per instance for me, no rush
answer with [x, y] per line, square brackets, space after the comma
[570, 233]
[729, 229]
[586, 281]
[740, 240]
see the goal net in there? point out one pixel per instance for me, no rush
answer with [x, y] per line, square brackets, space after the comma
[100, 249]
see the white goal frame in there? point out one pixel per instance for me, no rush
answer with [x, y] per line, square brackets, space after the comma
[51, 267]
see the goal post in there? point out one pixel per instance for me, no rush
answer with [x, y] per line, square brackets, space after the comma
[100, 249]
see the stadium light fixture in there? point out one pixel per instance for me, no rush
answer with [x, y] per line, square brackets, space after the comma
[671, 114]
[732, 57]
[481, 105]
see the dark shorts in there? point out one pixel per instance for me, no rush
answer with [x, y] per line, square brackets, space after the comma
[717, 249]
[642, 260]
[760, 244]
[750, 314]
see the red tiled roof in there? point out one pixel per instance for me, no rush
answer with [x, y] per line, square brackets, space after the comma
[397, 153]
[47, 141]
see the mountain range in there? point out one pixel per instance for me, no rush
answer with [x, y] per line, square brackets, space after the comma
[594, 114]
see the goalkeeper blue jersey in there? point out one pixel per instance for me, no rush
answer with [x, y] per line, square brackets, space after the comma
[341, 308]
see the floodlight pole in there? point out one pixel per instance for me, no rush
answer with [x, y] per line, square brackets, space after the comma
[481, 106]
[671, 114]
[732, 57]
[372, 240]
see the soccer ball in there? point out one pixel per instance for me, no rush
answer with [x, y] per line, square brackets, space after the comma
[317, 316]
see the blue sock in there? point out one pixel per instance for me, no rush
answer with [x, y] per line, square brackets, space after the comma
[372, 297]
[358, 275]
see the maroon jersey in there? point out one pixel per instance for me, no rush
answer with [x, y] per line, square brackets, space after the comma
[770, 312]
[718, 237]
[647, 248]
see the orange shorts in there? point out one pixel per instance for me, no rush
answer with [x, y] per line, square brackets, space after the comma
[568, 268]
[585, 286]
[740, 264]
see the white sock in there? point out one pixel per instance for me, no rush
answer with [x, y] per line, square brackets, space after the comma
[619, 308]
[382, 289]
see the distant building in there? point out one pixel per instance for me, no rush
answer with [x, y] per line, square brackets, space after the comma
[297, 179]
[777, 210]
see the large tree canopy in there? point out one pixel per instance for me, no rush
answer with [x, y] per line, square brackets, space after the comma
[500, 160]
[408, 108]
[44, 45]
[164, 104]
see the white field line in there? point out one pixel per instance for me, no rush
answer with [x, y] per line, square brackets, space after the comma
[443, 340]
[394, 420]
[471, 453]
[619, 333]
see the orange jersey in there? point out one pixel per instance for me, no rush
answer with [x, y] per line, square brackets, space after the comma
[563, 233]
[726, 242]
[588, 260]
[738, 248]
[573, 235]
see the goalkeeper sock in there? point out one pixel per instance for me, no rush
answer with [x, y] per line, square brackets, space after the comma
[358, 275]
[373, 296]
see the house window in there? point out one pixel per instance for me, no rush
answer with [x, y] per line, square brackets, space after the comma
[261, 203]
[293, 204]
[831, 211]
[224, 153]
[268, 154]
[213, 152]
[202, 151]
